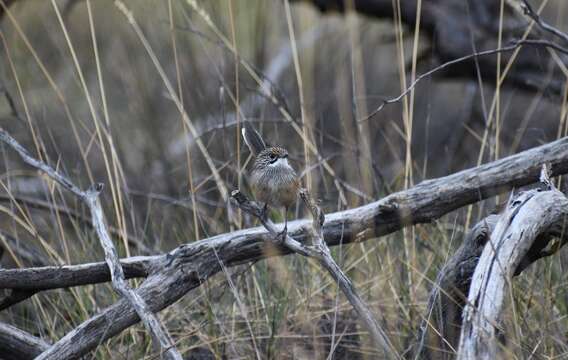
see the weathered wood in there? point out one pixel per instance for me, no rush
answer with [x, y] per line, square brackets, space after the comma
[189, 265]
[91, 199]
[528, 217]
[16, 344]
[441, 327]
[317, 249]
[54, 277]
[423, 203]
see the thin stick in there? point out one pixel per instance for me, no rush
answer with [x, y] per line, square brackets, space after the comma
[529, 11]
[320, 252]
[512, 47]
[91, 199]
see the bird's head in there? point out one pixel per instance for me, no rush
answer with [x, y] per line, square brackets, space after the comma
[273, 156]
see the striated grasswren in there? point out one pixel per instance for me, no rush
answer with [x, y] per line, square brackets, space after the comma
[273, 180]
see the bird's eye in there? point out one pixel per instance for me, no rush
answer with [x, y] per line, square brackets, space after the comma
[273, 158]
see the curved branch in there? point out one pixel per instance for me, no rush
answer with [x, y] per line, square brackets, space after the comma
[16, 344]
[91, 199]
[187, 266]
[528, 217]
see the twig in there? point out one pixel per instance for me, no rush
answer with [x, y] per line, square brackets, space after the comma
[91, 199]
[529, 11]
[320, 251]
[512, 47]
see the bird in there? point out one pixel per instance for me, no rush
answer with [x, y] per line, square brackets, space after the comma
[274, 181]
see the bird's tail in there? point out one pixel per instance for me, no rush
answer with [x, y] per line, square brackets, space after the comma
[252, 138]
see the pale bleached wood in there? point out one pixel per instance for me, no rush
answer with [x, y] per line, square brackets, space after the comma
[529, 216]
[91, 198]
[317, 249]
[441, 326]
[187, 266]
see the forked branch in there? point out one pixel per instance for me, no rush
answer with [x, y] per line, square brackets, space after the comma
[91, 199]
[319, 251]
[188, 266]
[528, 218]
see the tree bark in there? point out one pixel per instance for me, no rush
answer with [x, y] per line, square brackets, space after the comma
[531, 217]
[16, 344]
[189, 265]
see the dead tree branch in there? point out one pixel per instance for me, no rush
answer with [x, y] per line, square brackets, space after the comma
[19, 345]
[441, 327]
[24, 283]
[186, 267]
[320, 252]
[514, 46]
[529, 11]
[91, 199]
[529, 216]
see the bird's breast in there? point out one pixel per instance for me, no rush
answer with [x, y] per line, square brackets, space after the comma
[277, 185]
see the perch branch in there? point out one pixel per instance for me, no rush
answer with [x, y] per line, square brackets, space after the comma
[187, 266]
[320, 252]
[91, 199]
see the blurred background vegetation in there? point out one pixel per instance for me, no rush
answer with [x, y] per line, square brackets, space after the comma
[148, 96]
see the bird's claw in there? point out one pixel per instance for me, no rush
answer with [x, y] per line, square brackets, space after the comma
[281, 236]
[264, 212]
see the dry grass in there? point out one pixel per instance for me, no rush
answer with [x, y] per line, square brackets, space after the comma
[147, 97]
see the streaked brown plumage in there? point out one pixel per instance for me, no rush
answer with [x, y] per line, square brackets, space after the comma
[274, 181]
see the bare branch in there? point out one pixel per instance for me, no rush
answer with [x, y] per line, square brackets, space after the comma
[188, 266]
[440, 329]
[19, 345]
[320, 252]
[55, 277]
[91, 198]
[512, 47]
[529, 11]
[450, 24]
[529, 216]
